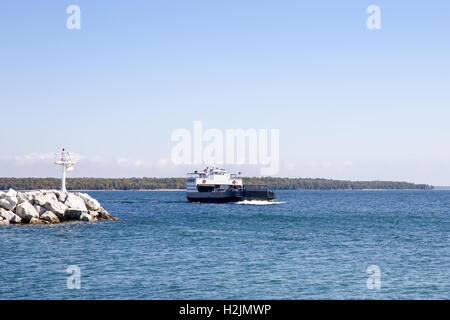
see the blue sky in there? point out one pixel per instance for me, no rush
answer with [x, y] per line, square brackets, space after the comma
[350, 103]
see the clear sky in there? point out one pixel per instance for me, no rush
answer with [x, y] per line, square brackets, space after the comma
[350, 103]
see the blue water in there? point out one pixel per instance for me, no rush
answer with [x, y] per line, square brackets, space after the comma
[312, 245]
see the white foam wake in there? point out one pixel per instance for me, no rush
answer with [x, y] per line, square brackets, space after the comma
[259, 202]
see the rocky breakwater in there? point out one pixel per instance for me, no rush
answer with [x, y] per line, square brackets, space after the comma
[49, 206]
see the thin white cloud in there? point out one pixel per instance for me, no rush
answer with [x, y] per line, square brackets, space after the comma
[122, 161]
[348, 163]
[32, 158]
[290, 166]
[130, 162]
[165, 163]
[97, 159]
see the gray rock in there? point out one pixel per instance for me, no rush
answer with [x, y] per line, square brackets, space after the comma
[54, 191]
[42, 199]
[9, 216]
[24, 197]
[74, 202]
[72, 214]
[105, 215]
[49, 202]
[50, 217]
[62, 196]
[8, 201]
[36, 221]
[86, 217]
[6, 214]
[9, 193]
[90, 202]
[39, 209]
[26, 211]
[93, 214]
[16, 219]
[57, 208]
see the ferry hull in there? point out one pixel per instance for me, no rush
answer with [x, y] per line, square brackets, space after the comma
[224, 197]
[259, 195]
[213, 197]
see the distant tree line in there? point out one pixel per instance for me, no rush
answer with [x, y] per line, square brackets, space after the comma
[180, 183]
[329, 184]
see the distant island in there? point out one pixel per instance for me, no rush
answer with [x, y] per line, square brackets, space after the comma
[180, 183]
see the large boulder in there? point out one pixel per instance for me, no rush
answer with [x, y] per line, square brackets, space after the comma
[9, 193]
[105, 215]
[4, 222]
[10, 216]
[8, 203]
[90, 202]
[42, 199]
[15, 219]
[24, 197]
[32, 193]
[86, 217]
[93, 214]
[50, 191]
[72, 214]
[74, 202]
[57, 208]
[6, 214]
[62, 196]
[37, 221]
[49, 202]
[41, 210]
[50, 217]
[26, 211]
[9, 200]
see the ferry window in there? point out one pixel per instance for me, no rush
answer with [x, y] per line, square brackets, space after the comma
[205, 188]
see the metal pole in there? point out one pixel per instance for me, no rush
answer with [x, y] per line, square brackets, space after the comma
[63, 179]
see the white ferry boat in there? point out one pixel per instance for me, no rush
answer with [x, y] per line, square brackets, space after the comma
[217, 186]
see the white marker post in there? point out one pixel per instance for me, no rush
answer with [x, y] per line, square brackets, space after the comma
[64, 159]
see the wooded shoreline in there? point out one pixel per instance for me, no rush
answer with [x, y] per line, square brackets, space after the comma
[180, 184]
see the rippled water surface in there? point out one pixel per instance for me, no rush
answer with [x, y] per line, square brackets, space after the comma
[310, 245]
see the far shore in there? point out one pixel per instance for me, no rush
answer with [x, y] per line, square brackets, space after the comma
[184, 190]
[179, 184]
[134, 190]
[109, 190]
[85, 190]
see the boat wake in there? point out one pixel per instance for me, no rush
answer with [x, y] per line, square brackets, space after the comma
[259, 202]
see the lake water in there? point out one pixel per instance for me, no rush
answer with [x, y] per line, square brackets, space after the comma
[309, 245]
